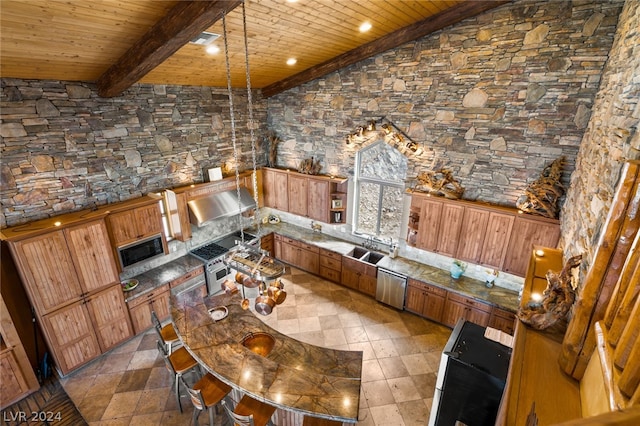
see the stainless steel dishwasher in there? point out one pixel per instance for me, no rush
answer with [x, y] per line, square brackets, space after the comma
[391, 288]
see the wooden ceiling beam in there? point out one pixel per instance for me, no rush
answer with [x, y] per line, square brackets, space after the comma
[411, 32]
[184, 22]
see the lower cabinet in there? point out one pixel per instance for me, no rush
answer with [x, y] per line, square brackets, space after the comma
[458, 306]
[330, 265]
[110, 317]
[425, 300]
[140, 308]
[299, 254]
[502, 320]
[266, 243]
[359, 275]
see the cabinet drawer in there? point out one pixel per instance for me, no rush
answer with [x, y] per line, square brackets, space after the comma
[277, 237]
[428, 288]
[147, 296]
[469, 302]
[308, 247]
[328, 262]
[331, 254]
[187, 276]
[291, 241]
[330, 274]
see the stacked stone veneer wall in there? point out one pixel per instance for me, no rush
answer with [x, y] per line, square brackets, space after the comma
[64, 148]
[611, 137]
[494, 98]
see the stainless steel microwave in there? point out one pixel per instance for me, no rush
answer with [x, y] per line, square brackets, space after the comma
[141, 251]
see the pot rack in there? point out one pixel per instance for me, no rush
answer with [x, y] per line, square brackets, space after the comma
[246, 258]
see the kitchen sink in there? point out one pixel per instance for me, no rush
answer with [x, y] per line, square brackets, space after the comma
[260, 343]
[365, 255]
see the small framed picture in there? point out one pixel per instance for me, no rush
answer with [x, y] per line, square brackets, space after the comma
[336, 204]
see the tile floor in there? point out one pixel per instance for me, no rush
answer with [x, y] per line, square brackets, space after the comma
[130, 384]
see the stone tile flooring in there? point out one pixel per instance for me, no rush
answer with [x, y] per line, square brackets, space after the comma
[130, 384]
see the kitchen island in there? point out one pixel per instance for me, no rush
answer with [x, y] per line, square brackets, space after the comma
[293, 376]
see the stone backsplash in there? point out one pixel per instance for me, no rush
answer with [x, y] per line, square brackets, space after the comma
[64, 148]
[494, 98]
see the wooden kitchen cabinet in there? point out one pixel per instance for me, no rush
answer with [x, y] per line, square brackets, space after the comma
[449, 229]
[319, 200]
[298, 194]
[330, 265]
[140, 308]
[110, 317]
[135, 224]
[338, 193]
[472, 233]
[71, 336]
[425, 300]
[494, 248]
[430, 212]
[299, 254]
[502, 320]
[359, 275]
[529, 231]
[267, 243]
[458, 306]
[275, 187]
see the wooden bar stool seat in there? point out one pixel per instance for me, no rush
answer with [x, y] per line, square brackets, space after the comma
[317, 421]
[205, 395]
[167, 332]
[179, 362]
[250, 412]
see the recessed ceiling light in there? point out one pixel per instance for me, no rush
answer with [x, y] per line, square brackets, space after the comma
[291, 61]
[204, 38]
[212, 49]
[366, 26]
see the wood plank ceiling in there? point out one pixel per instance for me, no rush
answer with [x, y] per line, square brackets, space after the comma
[79, 40]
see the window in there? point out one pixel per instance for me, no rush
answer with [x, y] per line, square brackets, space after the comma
[379, 183]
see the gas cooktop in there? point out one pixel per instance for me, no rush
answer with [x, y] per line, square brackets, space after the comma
[220, 246]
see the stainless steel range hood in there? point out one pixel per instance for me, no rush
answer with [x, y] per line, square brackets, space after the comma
[222, 204]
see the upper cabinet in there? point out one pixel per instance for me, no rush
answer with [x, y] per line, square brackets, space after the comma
[497, 237]
[322, 198]
[135, 223]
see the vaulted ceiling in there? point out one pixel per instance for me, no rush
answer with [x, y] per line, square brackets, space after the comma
[117, 43]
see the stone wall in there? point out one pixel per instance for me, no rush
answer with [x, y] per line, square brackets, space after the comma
[64, 148]
[494, 98]
[611, 137]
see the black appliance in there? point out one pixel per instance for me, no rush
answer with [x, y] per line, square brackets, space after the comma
[141, 251]
[212, 254]
[471, 378]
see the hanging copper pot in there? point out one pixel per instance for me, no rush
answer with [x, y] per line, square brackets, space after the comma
[276, 292]
[264, 304]
[246, 280]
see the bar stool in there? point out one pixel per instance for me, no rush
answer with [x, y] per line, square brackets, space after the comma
[167, 333]
[250, 412]
[179, 362]
[205, 395]
[317, 421]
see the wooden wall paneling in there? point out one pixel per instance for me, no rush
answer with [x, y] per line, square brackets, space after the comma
[617, 235]
[625, 295]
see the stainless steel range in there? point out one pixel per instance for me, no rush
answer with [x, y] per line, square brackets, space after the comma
[212, 254]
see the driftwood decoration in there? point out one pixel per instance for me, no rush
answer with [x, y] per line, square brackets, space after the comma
[274, 140]
[439, 182]
[556, 301]
[541, 197]
[309, 166]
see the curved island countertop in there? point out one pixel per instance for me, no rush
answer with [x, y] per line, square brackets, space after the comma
[295, 376]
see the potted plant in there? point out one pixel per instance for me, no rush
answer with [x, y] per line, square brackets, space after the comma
[457, 268]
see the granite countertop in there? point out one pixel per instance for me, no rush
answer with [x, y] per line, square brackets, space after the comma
[295, 376]
[469, 287]
[163, 274]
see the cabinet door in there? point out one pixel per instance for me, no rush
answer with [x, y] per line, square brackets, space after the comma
[472, 231]
[449, 229]
[140, 316]
[453, 311]
[496, 239]
[414, 301]
[350, 278]
[428, 225]
[11, 377]
[123, 227]
[308, 261]
[281, 191]
[160, 304]
[298, 190]
[319, 200]
[90, 248]
[148, 220]
[368, 285]
[433, 307]
[478, 316]
[269, 187]
[47, 270]
[110, 317]
[71, 336]
[526, 233]
[289, 253]
[502, 320]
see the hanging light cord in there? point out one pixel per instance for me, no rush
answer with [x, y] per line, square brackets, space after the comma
[233, 123]
[251, 122]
